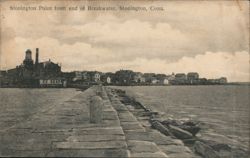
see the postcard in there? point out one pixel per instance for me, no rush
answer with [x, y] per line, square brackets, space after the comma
[124, 78]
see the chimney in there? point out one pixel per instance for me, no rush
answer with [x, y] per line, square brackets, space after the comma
[37, 56]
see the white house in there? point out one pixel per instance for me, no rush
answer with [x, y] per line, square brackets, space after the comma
[108, 80]
[165, 81]
[97, 77]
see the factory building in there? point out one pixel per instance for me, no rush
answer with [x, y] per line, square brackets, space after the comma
[29, 72]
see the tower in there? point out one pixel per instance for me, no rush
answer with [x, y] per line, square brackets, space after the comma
[37, 56]
[28, 54]
[28, 62]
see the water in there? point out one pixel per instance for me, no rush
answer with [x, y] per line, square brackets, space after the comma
[18, 105]
[224, 111]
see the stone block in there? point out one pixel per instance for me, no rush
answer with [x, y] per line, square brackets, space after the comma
[161, 139]
[180, 133]
[136, 146]
[169, 149]
[149, 154]
[95, 138]
[133, 135]
[96, 109]
[205, 150]
[89, 153]
[100, 131]
[91, 145]
[131, 125]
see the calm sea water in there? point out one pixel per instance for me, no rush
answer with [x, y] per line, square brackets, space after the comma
[224, 111]
[17, 105]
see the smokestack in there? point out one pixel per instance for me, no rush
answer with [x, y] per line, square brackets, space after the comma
[37, 56]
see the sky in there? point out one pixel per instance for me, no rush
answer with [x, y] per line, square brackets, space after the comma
[208, 37]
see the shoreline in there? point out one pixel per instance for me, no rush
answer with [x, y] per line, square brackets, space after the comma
[136, 85]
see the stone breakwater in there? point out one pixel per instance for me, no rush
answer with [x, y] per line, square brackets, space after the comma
[64, 129]
[183, 130]
[142, 139]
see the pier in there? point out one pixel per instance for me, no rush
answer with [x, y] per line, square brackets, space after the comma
[65, 130]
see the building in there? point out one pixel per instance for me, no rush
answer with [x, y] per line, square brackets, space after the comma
[222, 80]
[180, 78]
[124, 77]
[138, 77]
[3, 73]
[79, 76]
[29, 73]
[193, 78]
[165, 81]
[52, 82]
[149, 77]
[108, 78]
[93, 76]
[155, 81]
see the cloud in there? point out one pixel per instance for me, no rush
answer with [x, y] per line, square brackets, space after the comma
[234, 66]
[188, 36]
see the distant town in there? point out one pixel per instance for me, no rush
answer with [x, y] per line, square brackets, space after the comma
[49, 74]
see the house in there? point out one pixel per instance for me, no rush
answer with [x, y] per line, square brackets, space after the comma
[155, 81]
[193, 78]
[138, 77]
[149, 77]
[52, 82]
[223, 80]
[97, 77]
[180, 78]
[78, 76]
[166, 81]
[2, 73]
[108, 80]
[124, 77]
[93, 76]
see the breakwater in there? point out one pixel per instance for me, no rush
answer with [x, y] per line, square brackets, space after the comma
[186, 131]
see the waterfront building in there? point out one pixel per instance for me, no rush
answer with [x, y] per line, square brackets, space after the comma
[222, 80]
[180, 78]
[80, 76]
[124, 77]
[107, 78]
[52, 82]
[155, 80]
[166, 81]
[29, 73]
[2, 73]
[97, 77]
[149, 77]
[138, 77]
[193, 78]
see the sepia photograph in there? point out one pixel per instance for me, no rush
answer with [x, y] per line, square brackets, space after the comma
[125, 78]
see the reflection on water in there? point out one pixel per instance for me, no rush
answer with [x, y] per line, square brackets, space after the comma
[223, 110]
